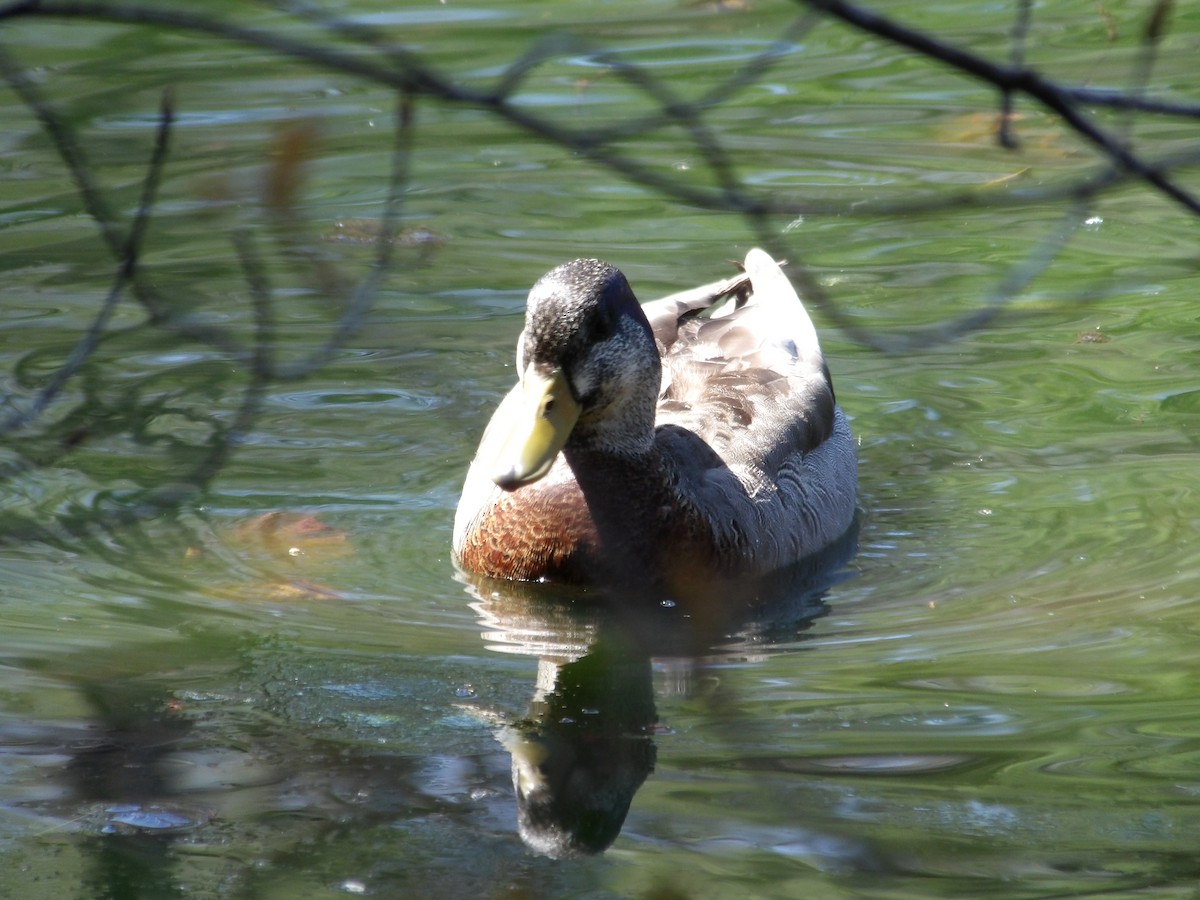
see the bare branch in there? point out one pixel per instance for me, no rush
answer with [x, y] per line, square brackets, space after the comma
[364, 294]
[1104, 118]
[1012, 79]
[125, 273]
[1020, 33]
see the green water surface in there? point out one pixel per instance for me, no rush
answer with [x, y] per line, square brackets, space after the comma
[279, 687]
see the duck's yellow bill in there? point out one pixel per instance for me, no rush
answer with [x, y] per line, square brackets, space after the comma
[541, 420]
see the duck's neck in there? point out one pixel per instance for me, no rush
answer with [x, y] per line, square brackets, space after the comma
[626, 495]
[625, 432]
[629, 478]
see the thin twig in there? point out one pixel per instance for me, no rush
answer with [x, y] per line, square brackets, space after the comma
[125, 273]
[1016, 79]
[1152, 36]
[364, 294]
[1020, 34]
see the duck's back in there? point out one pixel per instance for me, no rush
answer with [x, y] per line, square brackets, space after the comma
[752, 384]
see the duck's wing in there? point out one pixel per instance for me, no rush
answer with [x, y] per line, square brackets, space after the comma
[666, 315]
[753, 384]
[763, 455]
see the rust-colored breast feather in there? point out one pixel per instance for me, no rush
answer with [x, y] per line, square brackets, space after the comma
[543, 531]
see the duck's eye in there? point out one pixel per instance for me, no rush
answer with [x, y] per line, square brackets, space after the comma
[604, 325]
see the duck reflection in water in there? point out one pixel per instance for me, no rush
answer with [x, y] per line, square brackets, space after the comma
[584, 749]
[586, 744]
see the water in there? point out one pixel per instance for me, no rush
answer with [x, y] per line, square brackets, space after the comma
[280, 688]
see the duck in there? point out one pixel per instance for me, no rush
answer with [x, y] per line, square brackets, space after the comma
[692, 440]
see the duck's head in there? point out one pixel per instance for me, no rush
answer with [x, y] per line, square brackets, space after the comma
[589, 372]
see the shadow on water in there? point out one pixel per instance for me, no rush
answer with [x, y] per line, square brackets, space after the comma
[586, 745]
[108, 777]
[155, 774]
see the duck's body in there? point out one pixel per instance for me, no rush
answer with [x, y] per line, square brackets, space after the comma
[691, 448]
